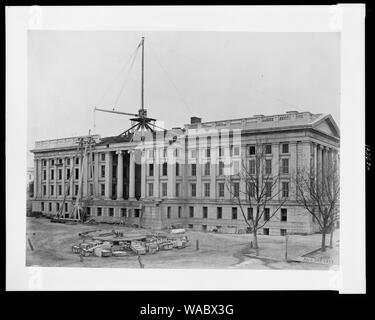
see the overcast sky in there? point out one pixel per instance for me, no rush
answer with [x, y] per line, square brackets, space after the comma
[213, 75]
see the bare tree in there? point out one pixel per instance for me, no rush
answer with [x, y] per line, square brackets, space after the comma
[260, 189]
[319, 195]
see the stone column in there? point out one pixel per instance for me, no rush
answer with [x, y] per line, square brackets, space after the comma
[156, 173]
[36, 182]
[120, 175]
[55, 178]
[143, 174]
[71, 188]
[63, 187]
[199, 164]
[132, 175]
[47, 178]
[40, 182]
[213, 172]
[108, 175]
[171, 167]
[96, 175]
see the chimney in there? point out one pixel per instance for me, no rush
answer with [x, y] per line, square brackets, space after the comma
[194, 120]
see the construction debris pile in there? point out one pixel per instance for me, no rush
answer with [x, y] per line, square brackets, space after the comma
[115, 244]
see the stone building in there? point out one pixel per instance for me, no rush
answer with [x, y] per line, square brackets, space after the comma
[179, 177]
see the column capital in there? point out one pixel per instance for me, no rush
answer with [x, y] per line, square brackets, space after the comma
[118, 152]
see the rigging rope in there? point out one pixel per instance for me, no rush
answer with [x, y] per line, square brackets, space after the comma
[127, 75]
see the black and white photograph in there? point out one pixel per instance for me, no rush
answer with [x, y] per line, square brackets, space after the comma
[183, 149]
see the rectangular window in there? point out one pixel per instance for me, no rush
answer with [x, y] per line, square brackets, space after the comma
[221, 189]
[44, 190]
[52, 174]
[49, 206]
[285, 148]
[76, 173]
[207, 169]
[99, 212]
[44, 162]
[205, 212]
[102, 171]
[150, 189]
[165, 152]
[165, 169]
[66, 207]
[221, 168]
[177, 169]
[179, 212]
[151, 169]
[266, 214]
[57, 206]
[60, 174]
[102, 189]
[285, 189]
[266, 231]
[102, 156]
[249, 214]
[219, 212]
[268, 166]
[236, 189]
[251, 166]
[268, 149]
[206, 189]
[234, 213]
[52, 189]
[236, 150]
[88, 211]
[42, 206]
[164, 189]
[68, 161]
[123, 212]
[190, 226]
[52, 162]
[268, 186]
[91, 189]
[76, 189]
[193, 153]
[193, 169]
[68, 173]
[111, 212]
[177, 152]
[251, 150]
[60, 190]
[283, 232]
[208, 153]
[44, 175]
[191, 212]
[193, 190]
[168, 212]
[136, 213]
[285, 166]
[252, 189]
[177, 189]
[284, 215]
[221, 152]
[77, 160]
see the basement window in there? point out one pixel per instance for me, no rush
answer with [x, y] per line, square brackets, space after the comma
[111, 212]
[283, 232]
[190, 226]
[98, 212]
[266, 231]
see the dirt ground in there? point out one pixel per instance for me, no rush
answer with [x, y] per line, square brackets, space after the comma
[52, 243]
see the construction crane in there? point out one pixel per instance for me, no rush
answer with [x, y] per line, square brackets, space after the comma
[143, 123]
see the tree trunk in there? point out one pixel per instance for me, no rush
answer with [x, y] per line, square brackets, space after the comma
[255, 236]
[331, 238]
[323, 241]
